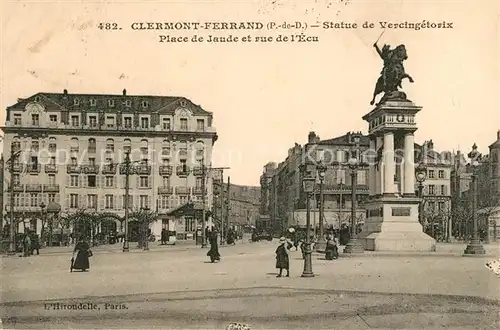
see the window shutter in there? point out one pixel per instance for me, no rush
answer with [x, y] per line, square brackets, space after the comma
[121, 200]
[58, 197]
[445, 190]
[361, 177]
[81, 202]
[66, 202]
[68, 180]
[85, 181]
[340, 176]
[137, 203]
[138, 181]
[150, 204]
[150, 181]
[123, 182]
[114, 181]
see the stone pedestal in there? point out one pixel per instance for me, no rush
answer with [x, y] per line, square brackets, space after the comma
[392, 212]
[392, 225]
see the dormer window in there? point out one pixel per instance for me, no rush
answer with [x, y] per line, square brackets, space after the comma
[111, 103]
[76, 102]
[128, 103]
[144, 104]
[93, 102]
[37, 98]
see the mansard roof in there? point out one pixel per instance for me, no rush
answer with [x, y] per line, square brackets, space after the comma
[66, 101]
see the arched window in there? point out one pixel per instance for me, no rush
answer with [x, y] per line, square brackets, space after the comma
[52, 144]
[16, 144]
[165, 148]
[183, 149]
[200, 150]
[127, 145]
[92, 146]
[144, 147]
[110, 145]
[74, 146]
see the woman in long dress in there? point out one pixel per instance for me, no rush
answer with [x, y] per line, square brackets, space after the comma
[213, 253]
[282, 259]
[82, 257]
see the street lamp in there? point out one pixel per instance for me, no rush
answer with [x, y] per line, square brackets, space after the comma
[474, 247]
[321, 244]
[353, 246]
[421, 176]
[146, 228]
[42, 207]
[308, 184]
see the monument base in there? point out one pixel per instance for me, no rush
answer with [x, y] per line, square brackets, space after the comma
[392, 225]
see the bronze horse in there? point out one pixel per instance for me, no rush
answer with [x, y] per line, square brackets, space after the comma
[393, 72]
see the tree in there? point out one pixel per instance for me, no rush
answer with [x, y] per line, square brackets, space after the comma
[145, 218]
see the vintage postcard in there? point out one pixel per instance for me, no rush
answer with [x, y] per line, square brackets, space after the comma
[316, 164]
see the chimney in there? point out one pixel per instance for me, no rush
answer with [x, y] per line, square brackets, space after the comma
[498, 135]
[124, 92]
[65, 92]
[311, 137]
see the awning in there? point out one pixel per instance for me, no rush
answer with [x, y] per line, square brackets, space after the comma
[187, 209]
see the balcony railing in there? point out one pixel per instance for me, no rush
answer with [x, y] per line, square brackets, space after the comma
[198, 191]
[182, 190]
[182, 170]
[17, 167]
[165, 170]
[90, 169]
[198, 171]
[72, 169]
[143, 169]
[337, 188]
[51, 187]
[109, 169]
[34, 187]
[33, 168]
[165, 190]
[50, 168]
[17, 188]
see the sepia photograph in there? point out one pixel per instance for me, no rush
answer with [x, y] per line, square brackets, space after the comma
[319, 164]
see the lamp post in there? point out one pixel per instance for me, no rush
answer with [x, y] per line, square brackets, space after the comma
[146, 228]
[308, 184]
[127, 206]
[474, 247]
[353, 246]
[42, 207]
[421, 176]
[321, 244]
[12, 231]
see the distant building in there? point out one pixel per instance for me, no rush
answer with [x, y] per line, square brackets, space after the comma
[2, 168]
[244, 205]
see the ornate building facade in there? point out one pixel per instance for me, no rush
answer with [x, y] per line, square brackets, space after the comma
[70, 150]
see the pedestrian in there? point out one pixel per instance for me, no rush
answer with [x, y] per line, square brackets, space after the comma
[331, 250]
[35, 244]
[213, 253]
[282, 258]
[163, 236]
[27, 245]
[82, 257]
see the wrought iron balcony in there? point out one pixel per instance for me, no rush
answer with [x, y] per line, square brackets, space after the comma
[182, 170]
[198, 191]
[90, 169]
[50, 168]
[17, 187]
[109, 169]
[165, 170]
[51, 188]
[72, 169]
[33, 168]
[165, 190]
[17, 168]
[182, 190]
[338, 188]
[198, 170]
[143, 169]
[35, 187]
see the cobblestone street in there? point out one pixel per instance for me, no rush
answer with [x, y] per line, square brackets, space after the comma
[180, 289]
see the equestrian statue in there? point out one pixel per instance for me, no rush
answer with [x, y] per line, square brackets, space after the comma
[392, 74]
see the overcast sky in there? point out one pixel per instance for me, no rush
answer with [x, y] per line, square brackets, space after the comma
[265, 97]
